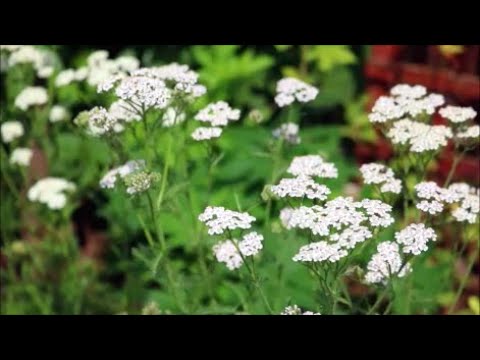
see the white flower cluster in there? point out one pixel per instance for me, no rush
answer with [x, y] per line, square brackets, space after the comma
[418, 136]
[291, 89]
[471, 132]
[299, 187]
[101, 122]
[295, 310]
[206, 133]
[51, 192]
[414, 238]
[313, 166]
[469, 198]
[21, 156]
[405, 100]
[11, 130]
[58, 113]
[142, 92]
[320, 251]
[180, 78]
[139, 182]
[31, 96]
[457, 114]
[434, 197]
[217, 115]
[385, 263]
[349, 221]
[110, 179]
[219, 219]
[98, 70]
[379, 174]
[232, 252]
[288, 132]
[28, 54]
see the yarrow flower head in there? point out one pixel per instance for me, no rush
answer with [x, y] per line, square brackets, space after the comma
[295, 310]
[11, 130]
[288, 132]
[385, 264]
[458, 114]
[27, 54]
[313, 166]
[218, 220]
[51, 192]
[139, 182]
[218, 114]
[300, 187]
[405, 100]
[415, 238]
[31, 96]
[418, 136]
[232, 252]
[206, 133]
[434, 197]
[343, 222]
[98, 122]
[471, 132]
[58, 113]
[21, 156]
[291, 89]
[469, 208]
[379, 174]
[110, 179]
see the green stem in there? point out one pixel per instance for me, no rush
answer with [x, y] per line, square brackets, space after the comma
[463, 283]
[456, 161]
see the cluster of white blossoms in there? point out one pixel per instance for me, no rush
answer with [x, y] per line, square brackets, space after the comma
[433, 197]
[11, 130]
[110, 179]
[405, 100]
[312, 166]
[179, 78]
[299, 187]
[471, 132]
[58, 113]
[219, 219]
[216, 115]
[291, 89]
[288, 132]
[99, 68]
[385, 263]
[232, 252]
[414, 238]
[206, 133]
[51, 192]
[101, 122]
[140, 181]
[27, 54]
[419, 136]
[379, 174]
[469, 207]
[343, 222]
[21, 156]
[31, 96]
[457, 114]
[295, 310]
